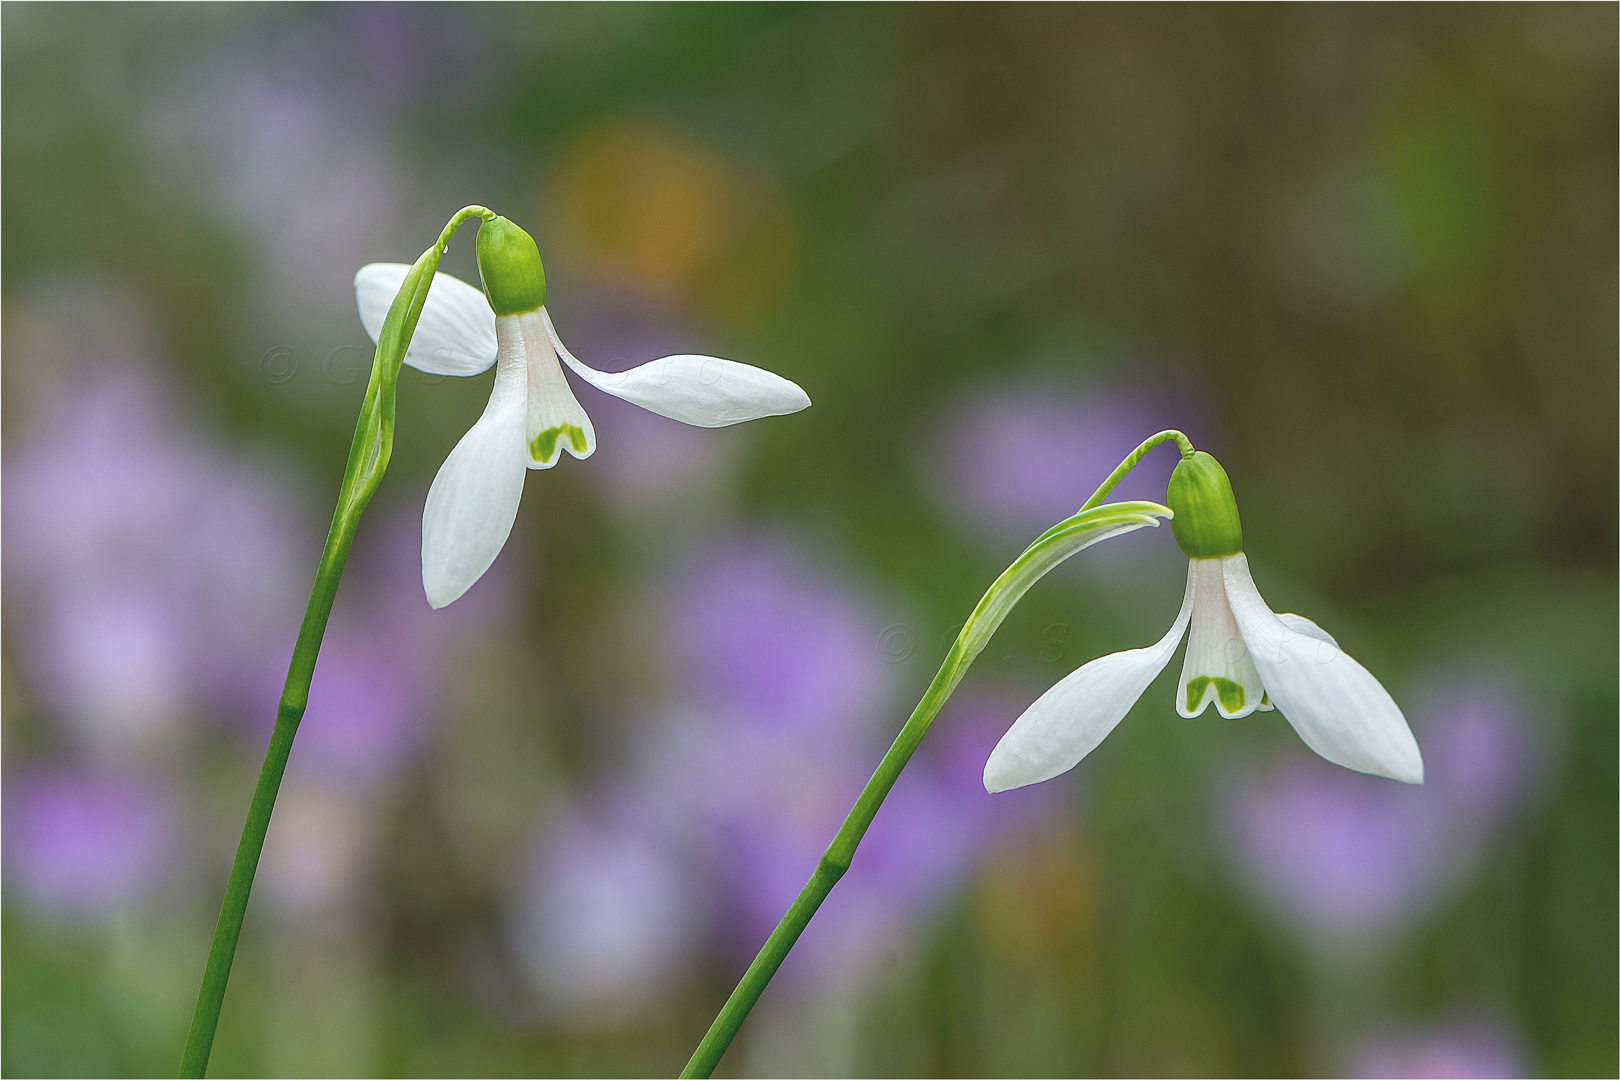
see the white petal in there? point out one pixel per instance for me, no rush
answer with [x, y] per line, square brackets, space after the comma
[1335, 704]
[1217, 667]
[474, 499]
[1299, 624]
[1070, 719]
[455, 334]
[704, 391]
[556, 420]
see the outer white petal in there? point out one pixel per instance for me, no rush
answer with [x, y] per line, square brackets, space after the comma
[704, 391]
[1299, 624]
[1217, 667]
[1335, 704]
[1068, 721]
[556, 420]
[455, 334]
[474, 499]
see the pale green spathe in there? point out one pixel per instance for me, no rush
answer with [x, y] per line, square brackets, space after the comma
[1206, 524]
[509, 265]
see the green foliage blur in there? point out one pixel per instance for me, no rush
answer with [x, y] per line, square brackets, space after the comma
[1372, 247]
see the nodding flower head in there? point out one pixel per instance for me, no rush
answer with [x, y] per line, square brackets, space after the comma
[1241, 658]
[532, 415]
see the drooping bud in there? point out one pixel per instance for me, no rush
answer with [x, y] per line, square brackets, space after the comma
[1206, 524]
[509, 265]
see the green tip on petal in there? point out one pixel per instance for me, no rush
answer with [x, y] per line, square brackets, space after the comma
[509, 264]
[1206, 524]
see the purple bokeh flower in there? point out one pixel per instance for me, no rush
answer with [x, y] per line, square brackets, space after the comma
[157, 582]
[784, 670]
[1463, 1048]
[1015, 458]
[608, 914]
[79, 842]
[368, 704]
[1349, 858]
[374, 695]
[284, 130]
[165, 575]
[761, 634]
[742, 786]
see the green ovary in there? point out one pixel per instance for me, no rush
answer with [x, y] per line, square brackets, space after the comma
[544, 446]
[1230, 693]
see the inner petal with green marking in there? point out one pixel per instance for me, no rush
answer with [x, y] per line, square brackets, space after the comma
[556, 421]
[543, 447]
[1228, 693]
[1217, 669]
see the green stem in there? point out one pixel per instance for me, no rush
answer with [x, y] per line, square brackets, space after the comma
[1092, 524]
[368, 460]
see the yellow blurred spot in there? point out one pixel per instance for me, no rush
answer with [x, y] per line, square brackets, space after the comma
[1034, 903]
[648, 208]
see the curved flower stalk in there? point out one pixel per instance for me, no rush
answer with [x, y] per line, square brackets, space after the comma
[1093, 523]
[532, 415]
[1239, 651]
[368, 459]
[1241, 657]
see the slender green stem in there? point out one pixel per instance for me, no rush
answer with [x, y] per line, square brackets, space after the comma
[1087, 527]
[368, 460]
[834, 862]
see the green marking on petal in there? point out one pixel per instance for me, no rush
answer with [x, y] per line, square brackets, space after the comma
[544, 446]
[1230, 693]
[1195, 691]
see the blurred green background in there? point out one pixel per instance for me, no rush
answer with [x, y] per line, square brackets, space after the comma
[1364, 254]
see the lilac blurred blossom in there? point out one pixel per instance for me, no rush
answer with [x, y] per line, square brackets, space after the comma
[1350, 858]
[413, 54]
[759, 632]
[607, 915]
[785, 669]
[1014, 457]
[373, 696]
[79, 842]
[114, 659]
[265, 137]
[1464, 1048]
[368, 704]
[285, 128]
[937, 824]
[157, 583]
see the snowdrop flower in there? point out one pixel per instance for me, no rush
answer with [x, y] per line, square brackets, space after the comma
[532, 415]
[1240, 657]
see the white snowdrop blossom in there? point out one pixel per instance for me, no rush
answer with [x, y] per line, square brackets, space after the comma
[532, 415]
[1241, 657]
